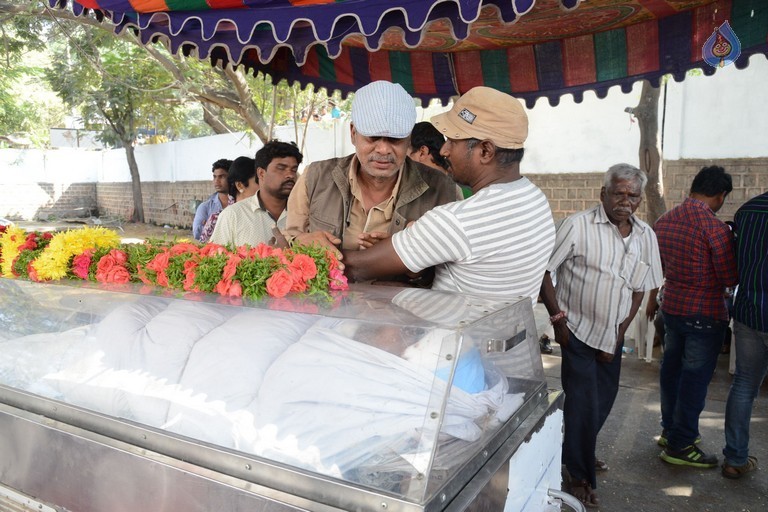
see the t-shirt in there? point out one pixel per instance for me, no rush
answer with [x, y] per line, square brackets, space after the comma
[496, 242]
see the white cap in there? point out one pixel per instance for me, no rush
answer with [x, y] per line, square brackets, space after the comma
[383, 109]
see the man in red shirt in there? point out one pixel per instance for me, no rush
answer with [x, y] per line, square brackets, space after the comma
[698, 254]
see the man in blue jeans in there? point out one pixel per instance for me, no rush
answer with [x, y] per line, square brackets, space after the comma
[750, 313]
[697, 251]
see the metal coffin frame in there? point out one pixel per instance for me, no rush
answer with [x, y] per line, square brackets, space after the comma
[78, 460]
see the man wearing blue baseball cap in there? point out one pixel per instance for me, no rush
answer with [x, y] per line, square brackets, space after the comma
[354, 201]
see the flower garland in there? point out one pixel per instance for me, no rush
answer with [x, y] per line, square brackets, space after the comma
[96, 254]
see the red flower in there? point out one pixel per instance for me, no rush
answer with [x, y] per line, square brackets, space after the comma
[229, 288]
[184, 248]
[304, 266]
[230, 267]
[117, 274]
[263, 251]
[279, 284]
[189, 276]
[299, 285]
[212, 250]
[81, 263]
[47, 235]
[31, 272]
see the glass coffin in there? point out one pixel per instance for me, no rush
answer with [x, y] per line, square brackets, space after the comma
[397, 392]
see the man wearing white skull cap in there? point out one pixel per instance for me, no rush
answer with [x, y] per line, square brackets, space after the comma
[355, 201]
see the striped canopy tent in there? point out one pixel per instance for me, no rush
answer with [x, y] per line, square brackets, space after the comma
[441, 48]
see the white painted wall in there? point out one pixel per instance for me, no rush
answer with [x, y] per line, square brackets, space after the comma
[723, 116]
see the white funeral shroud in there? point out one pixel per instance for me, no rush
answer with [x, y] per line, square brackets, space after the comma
[282, 385]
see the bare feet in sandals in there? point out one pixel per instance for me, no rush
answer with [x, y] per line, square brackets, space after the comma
[582, 491]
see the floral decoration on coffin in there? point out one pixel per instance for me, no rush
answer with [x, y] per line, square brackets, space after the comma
[96, 254]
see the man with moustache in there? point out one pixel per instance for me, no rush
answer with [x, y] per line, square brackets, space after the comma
[251, 221]
[605, 259]
[355, 201]
[497, 241]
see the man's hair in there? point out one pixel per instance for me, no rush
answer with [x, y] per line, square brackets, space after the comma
[712, 181]
[504, 157]
[424, 134]
[625, 172]
[276, 149]
[242, 170]
[221, 164]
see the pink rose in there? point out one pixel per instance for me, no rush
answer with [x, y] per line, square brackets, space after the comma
[230, 268]
[81, 263]
[263, 251]
[229, 288]
[279, 284]
[119, 256]
[338, 281]
[105, 263]
[118, 275]
[183, 248]
[212, 250]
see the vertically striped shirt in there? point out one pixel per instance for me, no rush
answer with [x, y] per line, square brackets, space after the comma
[597, 271]
[496, 242]
[751, 306]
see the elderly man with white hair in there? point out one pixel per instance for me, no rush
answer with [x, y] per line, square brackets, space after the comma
[355, 201]
[606, 259]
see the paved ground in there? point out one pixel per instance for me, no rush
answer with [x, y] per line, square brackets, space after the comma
[637, 480]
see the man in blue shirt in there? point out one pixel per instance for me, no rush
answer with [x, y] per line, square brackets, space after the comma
[750, 314]
[217, 201]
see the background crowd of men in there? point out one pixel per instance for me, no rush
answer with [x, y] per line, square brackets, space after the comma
[443, 204]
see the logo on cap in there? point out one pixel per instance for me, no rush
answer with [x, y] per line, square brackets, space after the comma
[467, 116]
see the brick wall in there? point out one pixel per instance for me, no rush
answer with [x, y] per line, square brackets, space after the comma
[26, 201]
[174, 203]
[569, 193]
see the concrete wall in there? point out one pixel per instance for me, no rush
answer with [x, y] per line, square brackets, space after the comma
[723, 119]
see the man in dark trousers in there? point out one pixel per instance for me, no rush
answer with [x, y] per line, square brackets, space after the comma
[750, 324]
[697, 251]
[605, 259]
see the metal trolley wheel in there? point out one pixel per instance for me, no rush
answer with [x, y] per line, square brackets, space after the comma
[569, 501]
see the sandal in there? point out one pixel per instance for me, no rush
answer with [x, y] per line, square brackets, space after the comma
[600, 465]
[736, 472]
[582, 491]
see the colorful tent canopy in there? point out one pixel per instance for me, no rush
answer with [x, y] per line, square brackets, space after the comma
[440, 48]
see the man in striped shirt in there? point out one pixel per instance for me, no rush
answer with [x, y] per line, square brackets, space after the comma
[699, 258]
[606, 259]
[495, 242]
[750, 315]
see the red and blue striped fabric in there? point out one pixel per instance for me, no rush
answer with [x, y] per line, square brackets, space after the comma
[443, 48]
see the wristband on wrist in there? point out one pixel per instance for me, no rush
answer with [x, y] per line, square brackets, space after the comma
[557, 317]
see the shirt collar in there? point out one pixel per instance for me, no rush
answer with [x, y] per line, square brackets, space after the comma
[354, 187]
[697, 203]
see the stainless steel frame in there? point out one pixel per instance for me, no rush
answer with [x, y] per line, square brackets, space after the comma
[82, 461]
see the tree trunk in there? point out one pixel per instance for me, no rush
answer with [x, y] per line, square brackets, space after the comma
[647, 114]
[213, 119]
[138, 199]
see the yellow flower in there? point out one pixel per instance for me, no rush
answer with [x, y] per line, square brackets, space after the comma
[53, 262]
[10, 241]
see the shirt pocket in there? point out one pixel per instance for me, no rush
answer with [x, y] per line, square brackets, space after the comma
[638, 275]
